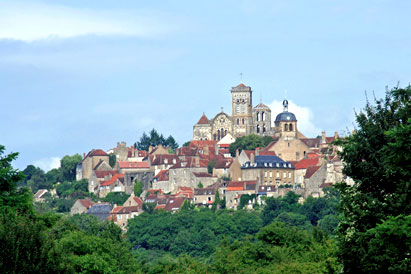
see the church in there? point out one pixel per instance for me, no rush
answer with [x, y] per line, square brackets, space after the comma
[245, 119]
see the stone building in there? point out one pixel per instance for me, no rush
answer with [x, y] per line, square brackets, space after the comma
[93, 159]
[244, 119]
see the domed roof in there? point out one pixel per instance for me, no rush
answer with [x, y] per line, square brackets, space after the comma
[285, 116]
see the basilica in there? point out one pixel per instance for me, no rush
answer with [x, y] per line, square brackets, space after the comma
[245, 119]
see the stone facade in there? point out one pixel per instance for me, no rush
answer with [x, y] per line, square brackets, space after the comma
[243, 121]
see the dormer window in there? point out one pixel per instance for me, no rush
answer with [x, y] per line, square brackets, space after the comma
[166, 161]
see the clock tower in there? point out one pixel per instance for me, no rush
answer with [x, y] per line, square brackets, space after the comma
[241, 103]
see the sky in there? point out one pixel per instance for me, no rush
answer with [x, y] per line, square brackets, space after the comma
[79, 75]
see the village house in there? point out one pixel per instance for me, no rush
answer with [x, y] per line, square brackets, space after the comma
[100, 210]
[115, 184]
[81, 206]
[237, 188]
[121, 214]
[204, 196]
[269, 170]
[161, 181]
[40, 195]
[160, 162]
[96, 159]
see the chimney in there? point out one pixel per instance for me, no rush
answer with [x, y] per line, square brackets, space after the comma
[336, 135]
[150, 148]
[252, 158]
[84, 155]
[323, 137]
[206, 152]
[237, 153]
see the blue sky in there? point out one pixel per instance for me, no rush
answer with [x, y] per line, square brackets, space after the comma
[77, 75]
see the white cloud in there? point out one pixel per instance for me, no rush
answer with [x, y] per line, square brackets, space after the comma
[47, 164]
[30, 22]
[304, 115]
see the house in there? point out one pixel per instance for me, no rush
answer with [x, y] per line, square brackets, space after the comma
[81, 206]
[181, 174]
[127, 167]
[160, 162]
[269, 170]
[204, 196]
[237, 188]
[121, 214]
[100, 210]
[161, 181]
[187, 192]
[133, 201]
[115, 184]
[301, 169]
[40, 195]
[222, 167]
[174, 204]
[93, 159]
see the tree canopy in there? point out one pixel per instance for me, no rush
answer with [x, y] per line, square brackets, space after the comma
[377, 157]
[154, 139]
[249, 142]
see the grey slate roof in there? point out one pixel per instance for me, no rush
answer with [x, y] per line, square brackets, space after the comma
[285, 116]
[100, 210]
[268, 161]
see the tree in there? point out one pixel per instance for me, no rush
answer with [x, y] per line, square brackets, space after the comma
[138, 188]
[155, 139]
[112, 159]
[186, 144]
[117, 198]
[378, 158]
[12, 198]
[211, 165]
[249, 142]
[171, 142]
[68, 166]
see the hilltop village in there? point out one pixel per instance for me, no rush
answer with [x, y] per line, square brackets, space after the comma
[204, 173]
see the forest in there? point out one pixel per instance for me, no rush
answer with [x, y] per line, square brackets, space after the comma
[363, 228]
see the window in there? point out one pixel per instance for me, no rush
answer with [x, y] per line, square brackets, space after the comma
[238, 121]
[291, 127]
[174, 172]
[265, 173]
[242, 121]
[264, 129]
[289, 174]
[263, 116]
[285, 175]
[258, 128]
[258, 116]
[278, 174]
[119, 216]
[286, 127]
[271, 174]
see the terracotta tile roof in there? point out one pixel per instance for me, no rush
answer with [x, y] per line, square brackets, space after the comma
[154, 192]
[128, 209]
[235, 186]
[223, 151]
[312, 155]
[266, 153]
[204, 191]
[162, 175]
[324, 185]
[267, 188]
[174, 203]
[203, 120]
[86, 203]
[203, 143]
[187, 151]
[311, 142]
[304, 163]
[103, 173]
[138, 201]
[97, 152]
[311, 171]
[185, 191]
[124, 164]
[329, 139]
[116, 177]
[116, 209]
[249, 152]
[164, 159]
[39, 194]
[224, 163]
[261, 105]
[202, 174]
[159, 207]
[241, 86]
[250, 185]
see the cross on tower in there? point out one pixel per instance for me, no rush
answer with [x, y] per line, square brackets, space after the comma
[241, 76]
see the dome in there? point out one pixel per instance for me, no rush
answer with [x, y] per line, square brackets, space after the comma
[285, 116]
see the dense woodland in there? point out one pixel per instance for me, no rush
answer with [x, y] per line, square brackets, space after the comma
[364, 228]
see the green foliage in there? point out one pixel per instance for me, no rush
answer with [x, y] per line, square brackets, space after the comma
[249, 142]
[35, 179]
[76, 189]
[117, 198]
[246, 199]
[186, 144]
[211, 165]
[200, 185]
[12, 198]
[155, 139]
[149, 207]
[68, 166]
[138, 188]
[112, 159]
[378, 158]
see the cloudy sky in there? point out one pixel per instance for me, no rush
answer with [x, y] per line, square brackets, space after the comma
[77, 75]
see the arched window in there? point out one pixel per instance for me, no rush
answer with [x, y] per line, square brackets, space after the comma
[218, 134]
[258, 128]
[215, 137]
[291, 127]
[263, 116]
[264, 129]
[238, 121]
[286, 127]
[225, 132]
[222, 133]
[258, 116]
[243, 121]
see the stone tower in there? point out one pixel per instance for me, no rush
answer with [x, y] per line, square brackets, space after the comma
[286, 123]
[241, 103]
[262, 120]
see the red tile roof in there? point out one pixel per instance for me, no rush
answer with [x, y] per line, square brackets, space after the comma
[154, 192]
[187, 151]
[124, 164]
[86, 203]
[240, 185]
[266, 153]
[138, 201]
[311, 142]
[128, 209]
[164, 159]
[241, 86]
[202, 174]
[113, 180]
[97, 152]
[304, 163]
[162, 175]
[223, 163]
[202, 143]
[103, 173]
[174, 203]
[311, 171]
[186, 192]
[203, 120]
